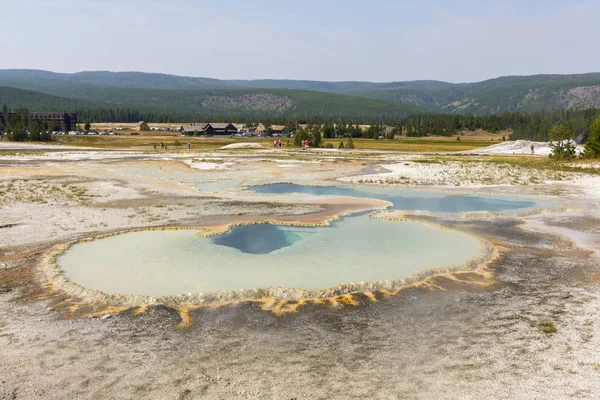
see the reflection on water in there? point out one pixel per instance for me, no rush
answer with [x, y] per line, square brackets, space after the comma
[258, 239]
[413, 200]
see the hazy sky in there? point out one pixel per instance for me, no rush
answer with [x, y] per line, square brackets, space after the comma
[375, 40]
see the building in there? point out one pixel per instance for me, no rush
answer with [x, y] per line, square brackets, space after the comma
[220, 128]
[262, 129]
[193, 128]
[278, 130]
[209, 128]
[67, 121]
[142, 126]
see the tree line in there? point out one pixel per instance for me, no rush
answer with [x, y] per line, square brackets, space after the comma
[564, 148]
[20, 126]
[530, 126]
[526, 126]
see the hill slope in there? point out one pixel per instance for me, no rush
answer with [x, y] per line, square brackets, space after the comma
[194, 104]
[35, 101]
[494, 96]
[37, 80]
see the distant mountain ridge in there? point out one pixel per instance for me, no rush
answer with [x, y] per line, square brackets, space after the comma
[494, 96]
[196, 105]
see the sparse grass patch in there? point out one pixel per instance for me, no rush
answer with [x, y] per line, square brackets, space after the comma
[547, 327]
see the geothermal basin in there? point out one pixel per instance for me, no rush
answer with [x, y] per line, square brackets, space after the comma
[412, 200]
[353, 249]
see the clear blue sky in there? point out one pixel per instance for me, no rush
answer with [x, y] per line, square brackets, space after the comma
[376, 40]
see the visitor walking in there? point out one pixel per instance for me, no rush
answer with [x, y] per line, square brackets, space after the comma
[532, 149]
[154, 146]
[189, 146]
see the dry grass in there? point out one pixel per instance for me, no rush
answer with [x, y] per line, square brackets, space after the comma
[430, 144]
[127, 141]
[529, 162]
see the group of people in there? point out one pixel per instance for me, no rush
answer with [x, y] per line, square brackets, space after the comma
[277, 144]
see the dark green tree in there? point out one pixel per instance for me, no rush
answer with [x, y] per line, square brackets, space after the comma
[350, 143]
[315, 139]
[592, 146]
[35, 131]
[301, 136]
[328, 131]
[561, 143]
[18, 133]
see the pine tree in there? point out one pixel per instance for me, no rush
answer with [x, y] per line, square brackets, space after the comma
[592, 146]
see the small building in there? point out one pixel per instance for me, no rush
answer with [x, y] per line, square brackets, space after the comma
[142, 126]
[278, 130]
[260, 129]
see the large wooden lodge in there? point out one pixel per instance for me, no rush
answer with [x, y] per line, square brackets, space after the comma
[209, 129]
[66, 120]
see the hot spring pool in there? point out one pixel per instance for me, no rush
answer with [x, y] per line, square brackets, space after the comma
[353, 249]
[415, 200]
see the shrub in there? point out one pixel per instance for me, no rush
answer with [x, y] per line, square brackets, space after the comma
[341, 146]
[548, 327]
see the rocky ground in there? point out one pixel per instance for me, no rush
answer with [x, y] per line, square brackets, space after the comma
[529, 333]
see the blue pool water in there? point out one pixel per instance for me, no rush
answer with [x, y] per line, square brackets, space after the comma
[259, 239]
[415, 200]
[353, 249]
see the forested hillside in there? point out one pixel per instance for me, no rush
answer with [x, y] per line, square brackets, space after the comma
[188, 105]
[494, 96]
[38, 79]
[35, 101]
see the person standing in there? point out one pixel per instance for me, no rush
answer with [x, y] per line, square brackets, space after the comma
[189, 146]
